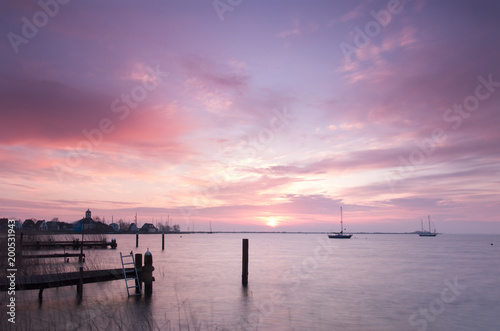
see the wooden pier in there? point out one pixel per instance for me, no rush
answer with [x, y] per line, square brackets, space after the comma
[51, 256]
[40, 282]
[78, 278]
[75, 244]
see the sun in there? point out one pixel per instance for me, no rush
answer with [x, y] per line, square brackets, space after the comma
[272, 222]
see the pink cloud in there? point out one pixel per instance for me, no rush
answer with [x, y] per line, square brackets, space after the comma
[357, 12]
[299, 29]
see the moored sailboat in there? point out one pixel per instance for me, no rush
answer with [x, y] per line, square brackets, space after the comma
[340, 235]
[428, 233]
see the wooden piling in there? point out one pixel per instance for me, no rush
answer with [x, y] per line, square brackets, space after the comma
[138, 261]
[163, 241]
[244, 271]
[147, 273]
[138, 265]
[80, 259]
[40, 295]
[79, 287]
[137, 240]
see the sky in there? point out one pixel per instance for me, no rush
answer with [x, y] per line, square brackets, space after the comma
[252, 115]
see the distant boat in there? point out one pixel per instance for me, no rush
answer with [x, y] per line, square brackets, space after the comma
[427, 233]
[340, 235]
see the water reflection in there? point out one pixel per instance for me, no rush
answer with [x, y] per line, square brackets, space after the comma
[245, 309]
[364, 285]
[244, 291]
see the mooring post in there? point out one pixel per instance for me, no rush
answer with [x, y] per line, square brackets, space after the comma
[138, 265]
[79, 286]
[163, 241]
[81, 247]
[138, 261]
[40, 295]
[244, 271]
[147, 273]
[137, 240]
[80, 258]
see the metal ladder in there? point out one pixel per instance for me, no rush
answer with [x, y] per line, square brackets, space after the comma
[137, 283]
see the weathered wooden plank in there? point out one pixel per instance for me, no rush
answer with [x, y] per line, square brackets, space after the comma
[20, 280]
[40, 279]
[66, 279]
[63, 277]
[55, 244]
[48, 256]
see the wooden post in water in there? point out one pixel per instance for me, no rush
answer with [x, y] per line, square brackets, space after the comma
[40, 295]
[163, 241]
[79, 286]
[80, 259]
[138, 266]
[147, 273]
[244, 270]
[137, 240]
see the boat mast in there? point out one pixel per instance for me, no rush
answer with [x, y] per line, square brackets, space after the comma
[341, 222]
[429, 217]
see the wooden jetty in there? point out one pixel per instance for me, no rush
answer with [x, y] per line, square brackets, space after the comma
[75, 244]
[40, 282]
[48, 256]
[78, 278]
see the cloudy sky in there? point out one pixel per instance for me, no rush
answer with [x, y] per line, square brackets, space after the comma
[252, 115]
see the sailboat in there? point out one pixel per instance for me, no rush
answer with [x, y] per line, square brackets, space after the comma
[428, 233]
[340, 235]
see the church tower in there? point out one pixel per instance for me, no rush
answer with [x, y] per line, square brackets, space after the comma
[88, 214]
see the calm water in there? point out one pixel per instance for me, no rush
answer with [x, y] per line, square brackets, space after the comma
[296, 282]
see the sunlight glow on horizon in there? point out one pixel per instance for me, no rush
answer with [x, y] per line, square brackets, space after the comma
[272, 222]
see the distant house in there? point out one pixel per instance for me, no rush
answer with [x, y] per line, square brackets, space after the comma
[19, 225]
[101, 227]
[149, 228]
[41, 226]
[63, 226]
[88, 223]
[4, 223]
[29, 225]
[115, 227]
[132, 228]
[53, 226]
